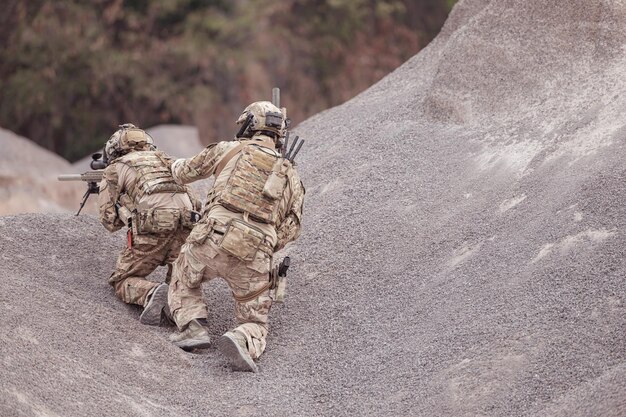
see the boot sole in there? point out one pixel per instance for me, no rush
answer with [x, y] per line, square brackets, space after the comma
[151, 314]
[191, 344]
[239, 360]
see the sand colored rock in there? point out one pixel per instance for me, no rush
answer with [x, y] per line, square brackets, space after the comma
[28, 177]
[177, 141]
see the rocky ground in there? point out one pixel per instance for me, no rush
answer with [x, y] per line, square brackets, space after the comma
[463, 251]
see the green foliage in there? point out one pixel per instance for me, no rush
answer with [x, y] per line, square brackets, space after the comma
[71, 71]
[450, 4]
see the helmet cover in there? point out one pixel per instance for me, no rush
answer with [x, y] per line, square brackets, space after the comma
[266, 117]
[128, 138]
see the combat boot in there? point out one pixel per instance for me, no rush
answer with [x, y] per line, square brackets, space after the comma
[168, 319]
[157, 301]
[234, 346]
[195, 336]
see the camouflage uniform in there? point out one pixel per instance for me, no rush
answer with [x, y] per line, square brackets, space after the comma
[141, 182]
[210, 251]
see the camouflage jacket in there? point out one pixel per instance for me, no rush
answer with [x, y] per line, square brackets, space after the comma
[218, 160]
[121, 184]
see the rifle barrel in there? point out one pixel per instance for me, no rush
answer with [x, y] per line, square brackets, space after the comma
[70, 177]
[89, 176]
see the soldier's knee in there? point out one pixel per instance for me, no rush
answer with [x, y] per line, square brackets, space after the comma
[123, 290]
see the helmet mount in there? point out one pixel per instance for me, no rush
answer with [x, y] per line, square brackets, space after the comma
[261, 117]
[128, 138]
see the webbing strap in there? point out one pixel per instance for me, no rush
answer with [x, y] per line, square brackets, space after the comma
[226, 158]
[231, 154]
[254, 295]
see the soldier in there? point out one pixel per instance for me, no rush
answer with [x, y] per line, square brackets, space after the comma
[137, 190]
[253, 210]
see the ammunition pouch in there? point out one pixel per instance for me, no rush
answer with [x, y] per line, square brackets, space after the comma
[240, 239]
[163, 220]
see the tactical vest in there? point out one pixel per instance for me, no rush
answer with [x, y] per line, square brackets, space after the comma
[153, 174]
[257, 185]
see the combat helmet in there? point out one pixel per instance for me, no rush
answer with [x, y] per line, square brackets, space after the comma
[261, 116]
[128, 138]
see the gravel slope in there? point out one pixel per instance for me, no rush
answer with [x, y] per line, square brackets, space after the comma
[463, 251]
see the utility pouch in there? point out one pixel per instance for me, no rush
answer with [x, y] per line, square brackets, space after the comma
[276, 182]
[158, 220]
[124, 214]
[242, 240]
[193, 270]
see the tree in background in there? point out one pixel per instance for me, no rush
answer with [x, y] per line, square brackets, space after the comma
[71, 71]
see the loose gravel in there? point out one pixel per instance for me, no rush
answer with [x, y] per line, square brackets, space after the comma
[463, 251]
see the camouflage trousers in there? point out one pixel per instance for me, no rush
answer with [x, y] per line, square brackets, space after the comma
[202, 262]
[134, 265]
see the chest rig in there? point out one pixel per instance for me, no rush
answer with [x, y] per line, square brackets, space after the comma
[256, 186]
[153, 175]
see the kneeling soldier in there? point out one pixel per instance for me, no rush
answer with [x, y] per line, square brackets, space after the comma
[137, 190]
[253, 210]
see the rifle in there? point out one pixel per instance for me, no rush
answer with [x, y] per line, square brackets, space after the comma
[92, 178]
[278, 279]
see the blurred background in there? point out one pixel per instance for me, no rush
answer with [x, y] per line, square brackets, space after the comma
[72, 70]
